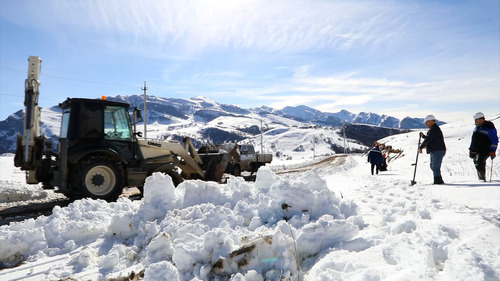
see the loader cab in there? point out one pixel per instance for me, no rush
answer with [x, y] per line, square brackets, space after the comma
[89, 119]
[94, 126]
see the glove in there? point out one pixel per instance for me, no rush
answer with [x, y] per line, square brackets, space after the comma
[422, 134]
[492, 155]
[472, 155]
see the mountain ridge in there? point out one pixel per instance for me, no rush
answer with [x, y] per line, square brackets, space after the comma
[205, 120]
[301, 113]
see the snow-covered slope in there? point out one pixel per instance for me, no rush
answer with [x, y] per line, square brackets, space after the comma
[166, 115]
[457, 139]
[335, 222]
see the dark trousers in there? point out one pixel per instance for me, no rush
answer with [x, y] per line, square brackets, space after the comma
[480, 161]
[374, 165]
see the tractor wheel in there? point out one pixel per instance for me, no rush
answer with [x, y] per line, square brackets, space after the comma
[100, 177]
[237, 171]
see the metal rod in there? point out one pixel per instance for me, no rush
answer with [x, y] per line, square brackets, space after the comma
[413, 182]
[491, 172]
[145, 112]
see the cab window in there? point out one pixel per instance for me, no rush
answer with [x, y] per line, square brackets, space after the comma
[116, 124]
[65, 124]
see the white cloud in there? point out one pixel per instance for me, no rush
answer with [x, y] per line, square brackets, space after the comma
[196, 25]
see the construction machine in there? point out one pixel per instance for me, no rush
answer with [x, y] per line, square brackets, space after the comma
[250, 160]
[243, 159]
[99, 151]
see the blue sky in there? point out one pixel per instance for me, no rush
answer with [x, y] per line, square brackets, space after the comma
[401, 58]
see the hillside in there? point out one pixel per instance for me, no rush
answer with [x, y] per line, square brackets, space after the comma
[206, 121]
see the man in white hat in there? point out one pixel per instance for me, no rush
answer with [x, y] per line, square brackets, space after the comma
[434, 144]
[484, 143]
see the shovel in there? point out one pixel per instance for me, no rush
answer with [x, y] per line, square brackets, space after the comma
[413, 182]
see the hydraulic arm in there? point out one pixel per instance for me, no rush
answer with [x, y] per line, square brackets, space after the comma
[29, 149]
[31, 105]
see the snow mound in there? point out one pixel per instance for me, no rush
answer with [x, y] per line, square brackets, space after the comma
[10, 192]
[199, 230]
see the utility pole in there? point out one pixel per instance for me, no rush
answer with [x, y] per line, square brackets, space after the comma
[314, 147]
[261, 137]
[145, 88]
[345, 141]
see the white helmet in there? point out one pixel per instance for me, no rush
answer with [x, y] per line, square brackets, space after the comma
[478, 115]
[429, 117]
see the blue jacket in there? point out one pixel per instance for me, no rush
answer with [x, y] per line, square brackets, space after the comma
[484, 138]
[375, 156]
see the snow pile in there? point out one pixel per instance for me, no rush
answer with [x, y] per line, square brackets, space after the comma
[193, 231]
[10, 192]
[13, 187]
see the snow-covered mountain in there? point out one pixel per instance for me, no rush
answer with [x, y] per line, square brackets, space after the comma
[306, 114]
[205, 120]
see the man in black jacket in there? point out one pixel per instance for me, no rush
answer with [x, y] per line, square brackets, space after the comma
[484, 143]
[375, 158]
[434, 142]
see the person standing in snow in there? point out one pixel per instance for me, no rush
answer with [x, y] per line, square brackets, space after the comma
[375, 158]
[383, 166]
[434, 144]
[484, 143]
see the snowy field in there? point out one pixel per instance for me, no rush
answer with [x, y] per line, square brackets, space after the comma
[334, 222]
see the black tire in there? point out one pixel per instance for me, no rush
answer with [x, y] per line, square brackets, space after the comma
[237, 171]
[99, 177]
[255, 167]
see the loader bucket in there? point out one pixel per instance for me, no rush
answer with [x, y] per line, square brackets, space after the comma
[217, 164]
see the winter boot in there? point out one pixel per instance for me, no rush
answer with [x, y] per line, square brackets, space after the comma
[438, 180]
[481, 175]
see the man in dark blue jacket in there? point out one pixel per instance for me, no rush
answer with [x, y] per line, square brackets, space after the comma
[375, 158]
[434, 142]
[484, 143]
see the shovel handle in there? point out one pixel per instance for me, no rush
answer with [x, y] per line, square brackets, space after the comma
[416, 160]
